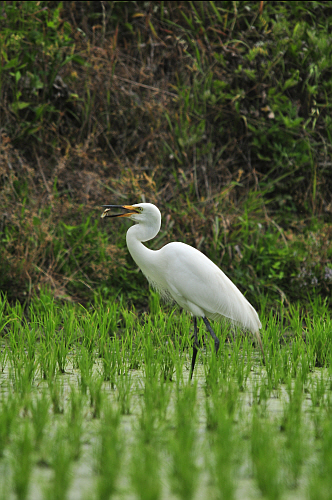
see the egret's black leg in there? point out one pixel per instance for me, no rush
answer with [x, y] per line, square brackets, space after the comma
[213, 335]
[195, 345]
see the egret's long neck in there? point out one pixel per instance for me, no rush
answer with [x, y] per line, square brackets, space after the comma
[142, 255]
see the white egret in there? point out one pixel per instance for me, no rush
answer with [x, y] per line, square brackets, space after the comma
[184, 274]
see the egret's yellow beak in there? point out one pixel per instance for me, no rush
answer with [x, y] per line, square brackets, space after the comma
[108, 208]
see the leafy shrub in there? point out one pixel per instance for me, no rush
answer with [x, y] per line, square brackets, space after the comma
[219, 112]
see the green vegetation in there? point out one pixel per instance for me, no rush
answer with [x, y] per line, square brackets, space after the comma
[218, 112]
[76, 429]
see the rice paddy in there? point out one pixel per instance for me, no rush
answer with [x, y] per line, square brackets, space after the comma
[97, 403]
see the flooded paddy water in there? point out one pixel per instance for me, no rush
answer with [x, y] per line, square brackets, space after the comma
[96, 409]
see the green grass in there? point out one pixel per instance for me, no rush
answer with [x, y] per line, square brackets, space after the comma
[223, 112]
[220, 113]
[98, 402]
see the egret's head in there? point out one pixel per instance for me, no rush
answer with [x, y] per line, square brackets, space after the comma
[141, 212]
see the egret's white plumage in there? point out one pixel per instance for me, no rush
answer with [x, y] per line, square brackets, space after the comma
[184, 274]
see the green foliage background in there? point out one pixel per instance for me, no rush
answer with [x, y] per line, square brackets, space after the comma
[218, 112]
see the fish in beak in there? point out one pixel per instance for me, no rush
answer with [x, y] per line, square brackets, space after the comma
[130, 210]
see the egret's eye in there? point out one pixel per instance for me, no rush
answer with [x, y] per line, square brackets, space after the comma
[140, 209]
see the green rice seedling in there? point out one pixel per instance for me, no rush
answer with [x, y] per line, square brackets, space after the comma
[295, 396]
[295, 452]
[319, 334]
[229, 395]
[320, 483]
[161, 393]
[225, 362]
[182, 447]
[130, 321]
[295, 319]
[47, 360]
[62, 346]
[211, 414]
[236, 350]
[17, 309]
[109, 356]
[171, 360]
[317, 389]
[108, 454]
[178, 351]
[87, 325]
[150, 368]
[61, 462]
[120, 347]
[224, 357]
[85, 361]
[304, 367]
[147, 419]
[242, 363]
[273, 371]
[319, 338]
[284, 362]
[278, 368]
[107, 317]
[260, 395]
[124, 386]
[292, 424]
[22, 373]
[9, 409]
[166, 364]
[29, 340]
[96, 395]
[39, 407]
[272, 332]
[45, 303]
[133, 345]
[155, 397]
[317, 421]
[222, 447]
[145, 473]
[224, 396]
[277, 365]
[163, 342]
[5, 486]
[211, 370]
[154, 302]
[297, 351]
[70, 334]
[329, 382]
[50, 324]
[162, 324]
[22, 462]
[3, 357]
[166, 325]
[74, 419]
[265, 459]
[15, 336]
[56, 394]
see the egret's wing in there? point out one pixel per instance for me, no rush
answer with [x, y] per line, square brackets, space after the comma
[195, 278]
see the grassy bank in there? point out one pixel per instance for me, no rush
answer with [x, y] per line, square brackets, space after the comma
[218, 112]
[96, 403]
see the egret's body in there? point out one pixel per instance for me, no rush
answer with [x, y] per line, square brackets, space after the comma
[182, 273]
